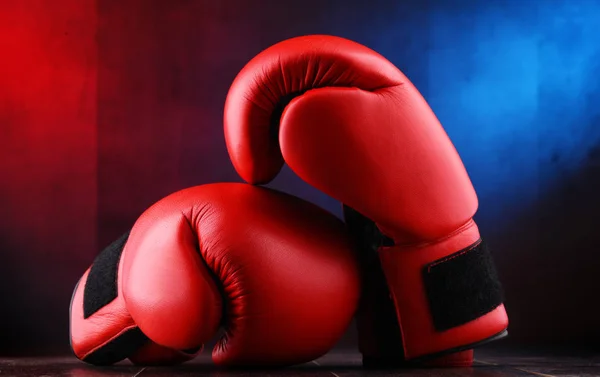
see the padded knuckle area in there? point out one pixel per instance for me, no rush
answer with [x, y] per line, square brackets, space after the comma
[318, 61]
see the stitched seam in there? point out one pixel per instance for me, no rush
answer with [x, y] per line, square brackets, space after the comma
[449, 258]
[460, 229]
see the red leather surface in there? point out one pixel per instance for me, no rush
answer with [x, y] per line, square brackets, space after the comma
[293, 66]
[282, 269]
[168, 290]
[362, 133]
[286, 268]
[360, 121]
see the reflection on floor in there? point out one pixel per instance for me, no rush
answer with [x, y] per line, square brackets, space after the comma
[489, 363]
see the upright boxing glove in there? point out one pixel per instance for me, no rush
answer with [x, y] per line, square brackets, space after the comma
[277, 273]
[348, 122]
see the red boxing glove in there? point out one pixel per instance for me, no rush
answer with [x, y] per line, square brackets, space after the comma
[348, 122]
[278, 273]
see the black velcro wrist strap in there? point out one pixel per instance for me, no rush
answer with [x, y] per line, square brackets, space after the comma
[101, 288]
[462, 287]
[101, 285]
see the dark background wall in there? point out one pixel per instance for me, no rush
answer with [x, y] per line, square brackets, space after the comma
[106, 106]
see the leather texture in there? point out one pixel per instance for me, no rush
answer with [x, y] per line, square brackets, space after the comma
[351, 124]
[277, 273]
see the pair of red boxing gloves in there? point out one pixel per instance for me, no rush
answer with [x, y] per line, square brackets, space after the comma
[282, 277]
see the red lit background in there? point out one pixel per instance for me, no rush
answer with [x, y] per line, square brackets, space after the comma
[106, 106]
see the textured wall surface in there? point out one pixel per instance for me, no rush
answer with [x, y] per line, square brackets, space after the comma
[106, 106]
[48, 166]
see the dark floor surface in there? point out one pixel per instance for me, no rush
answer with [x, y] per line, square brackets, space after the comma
[489, 363]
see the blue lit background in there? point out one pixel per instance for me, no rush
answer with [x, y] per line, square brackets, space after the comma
[515, 84]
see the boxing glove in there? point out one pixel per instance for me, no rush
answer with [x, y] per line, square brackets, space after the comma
[350, 123]
[278, 274]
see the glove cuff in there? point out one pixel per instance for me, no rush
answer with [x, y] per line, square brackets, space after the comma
[446, 295]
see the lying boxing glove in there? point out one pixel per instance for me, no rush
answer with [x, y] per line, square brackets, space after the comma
[348, 122]
[277, 273]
